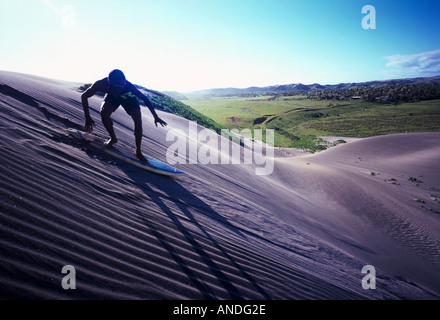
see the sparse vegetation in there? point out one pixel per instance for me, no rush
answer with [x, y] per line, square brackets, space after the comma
[415, 180]
[393, 181]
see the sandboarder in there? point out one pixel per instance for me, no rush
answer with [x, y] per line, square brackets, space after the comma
[118, 91]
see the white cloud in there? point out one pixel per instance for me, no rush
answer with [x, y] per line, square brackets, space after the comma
[413, 65]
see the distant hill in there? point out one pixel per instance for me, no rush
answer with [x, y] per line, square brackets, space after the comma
[299, 87]
[175, 95]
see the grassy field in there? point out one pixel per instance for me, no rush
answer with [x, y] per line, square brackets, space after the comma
[298, 122]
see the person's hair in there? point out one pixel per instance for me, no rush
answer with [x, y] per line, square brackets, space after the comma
[116, 75]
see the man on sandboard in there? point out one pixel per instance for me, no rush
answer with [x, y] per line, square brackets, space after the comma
[118, 91]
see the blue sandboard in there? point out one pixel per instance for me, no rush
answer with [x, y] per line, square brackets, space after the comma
[153, 165]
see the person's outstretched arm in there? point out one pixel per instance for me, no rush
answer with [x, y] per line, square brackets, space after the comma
[145, 99]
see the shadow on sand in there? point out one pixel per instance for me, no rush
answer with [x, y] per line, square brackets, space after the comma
[184, 200]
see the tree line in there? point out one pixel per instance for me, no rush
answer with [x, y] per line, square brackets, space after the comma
[387, 93]
[392, 93]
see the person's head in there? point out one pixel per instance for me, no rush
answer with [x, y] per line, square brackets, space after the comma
[117, 78]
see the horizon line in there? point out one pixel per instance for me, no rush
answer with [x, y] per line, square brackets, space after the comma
[239, 88]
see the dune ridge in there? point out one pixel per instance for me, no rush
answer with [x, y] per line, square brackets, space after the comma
[221, 232]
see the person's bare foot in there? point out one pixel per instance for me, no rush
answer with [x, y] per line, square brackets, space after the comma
[140, 156]
[109, 143]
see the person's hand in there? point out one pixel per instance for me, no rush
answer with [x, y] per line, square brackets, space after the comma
[90, 124]
[160, 121]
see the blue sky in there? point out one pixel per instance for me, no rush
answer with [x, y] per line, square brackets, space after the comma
[187, 45]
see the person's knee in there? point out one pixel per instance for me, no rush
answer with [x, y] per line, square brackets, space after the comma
[106, 113]
[138, 127]
[137, 119]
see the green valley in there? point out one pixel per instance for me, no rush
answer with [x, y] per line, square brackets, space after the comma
[298, 122]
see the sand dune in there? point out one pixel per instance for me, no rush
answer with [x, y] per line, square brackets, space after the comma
[221, 232]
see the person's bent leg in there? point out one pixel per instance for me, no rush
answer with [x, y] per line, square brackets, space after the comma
[138, 131]
[106, 111]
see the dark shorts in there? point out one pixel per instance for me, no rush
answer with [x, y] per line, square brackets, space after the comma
[129, 103]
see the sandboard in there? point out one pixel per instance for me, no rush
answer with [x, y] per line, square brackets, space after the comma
[153, 165]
